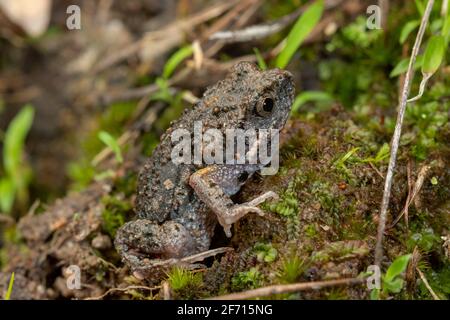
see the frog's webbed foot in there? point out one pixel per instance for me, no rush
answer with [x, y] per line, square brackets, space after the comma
[228, 217]
[227, 212]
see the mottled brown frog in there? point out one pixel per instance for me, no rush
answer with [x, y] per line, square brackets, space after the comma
[178, 205]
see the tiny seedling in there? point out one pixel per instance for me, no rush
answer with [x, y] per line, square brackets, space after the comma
[112, 143]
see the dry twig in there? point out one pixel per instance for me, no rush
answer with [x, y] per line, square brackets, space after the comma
[425, 282]
[397, 133]
[262, 31]
[287, 288]
[123, 290]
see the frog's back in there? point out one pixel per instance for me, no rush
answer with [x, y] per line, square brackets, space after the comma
[162, 185]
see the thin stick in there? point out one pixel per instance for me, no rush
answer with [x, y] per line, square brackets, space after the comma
[425, 282]
[123, 290]
[286, 288]
[397, 133]
[257, 32]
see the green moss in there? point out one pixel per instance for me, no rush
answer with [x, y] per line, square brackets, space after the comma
[12, 235]
[425, 119]
[114, 215]
[426, 240]
[439, 281]
[185, 284]
[250, 279]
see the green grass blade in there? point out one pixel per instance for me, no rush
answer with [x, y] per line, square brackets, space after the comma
[178, 57]
[15, 140]
[10, 287]
[302, 28]
[261, 63]
[7, 194]
[308, 96]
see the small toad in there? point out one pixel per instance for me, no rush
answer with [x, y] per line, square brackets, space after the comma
[178, 205]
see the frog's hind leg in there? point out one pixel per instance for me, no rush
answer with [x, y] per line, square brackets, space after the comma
[142, 240]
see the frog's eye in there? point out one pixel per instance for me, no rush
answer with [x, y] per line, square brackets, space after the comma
[243, 177]
[265, 106]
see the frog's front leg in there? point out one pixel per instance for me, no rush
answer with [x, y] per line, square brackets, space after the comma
[214, 185]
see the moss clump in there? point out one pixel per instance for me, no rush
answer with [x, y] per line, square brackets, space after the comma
[288, 207]
[250, 279]
[185, 283]
[265, 252]
[114, 215]
[291, 270]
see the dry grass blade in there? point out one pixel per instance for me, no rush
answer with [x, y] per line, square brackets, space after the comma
[427, 285]
[176, 30]
[413, 192]
[397, 133]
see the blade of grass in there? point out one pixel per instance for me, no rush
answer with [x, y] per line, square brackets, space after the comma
[10, 287]
[308, 96]
[178, 57]
[301, 29]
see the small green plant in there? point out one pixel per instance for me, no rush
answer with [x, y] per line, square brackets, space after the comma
[291, 269]
[259, 58]
[112, 143]
[250, 279]
[17, 174]
[426, 239]
[185, 282]
[164, 94]
[309, 96]
[10, 287]
[391, 282]
[178, 57]
[301, 29]
[265, 252]
[382, 154]
[340, 162]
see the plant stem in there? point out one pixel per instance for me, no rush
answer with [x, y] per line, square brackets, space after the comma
[397, 134]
